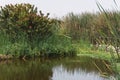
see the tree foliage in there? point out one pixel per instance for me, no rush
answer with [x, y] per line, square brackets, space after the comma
[25, 18]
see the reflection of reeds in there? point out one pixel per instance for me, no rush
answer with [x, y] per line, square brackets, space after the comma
[97, 67]
[102, 73]
[107, 66]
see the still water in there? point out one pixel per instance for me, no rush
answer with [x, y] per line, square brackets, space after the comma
[78, 68]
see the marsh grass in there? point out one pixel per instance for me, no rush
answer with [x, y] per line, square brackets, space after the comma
[116, 37]
[56, 45]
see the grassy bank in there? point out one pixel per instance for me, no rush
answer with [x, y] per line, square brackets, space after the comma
[55, 46]
[52, 47]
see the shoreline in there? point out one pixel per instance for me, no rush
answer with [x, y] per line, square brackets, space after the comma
[93, 55]
[5, 57]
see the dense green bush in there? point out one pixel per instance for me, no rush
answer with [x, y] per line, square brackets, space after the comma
[25, 18]
[25, 32]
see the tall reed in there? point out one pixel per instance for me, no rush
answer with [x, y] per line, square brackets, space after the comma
[112, 20]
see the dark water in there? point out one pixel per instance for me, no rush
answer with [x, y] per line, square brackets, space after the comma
[78, 68]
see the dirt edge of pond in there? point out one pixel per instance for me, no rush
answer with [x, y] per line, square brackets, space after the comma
[4, 57]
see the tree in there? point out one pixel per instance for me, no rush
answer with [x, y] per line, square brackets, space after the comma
[24, 18]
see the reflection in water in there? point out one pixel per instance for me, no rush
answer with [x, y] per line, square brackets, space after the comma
[60, 73]
[78, 68]
[29, 70]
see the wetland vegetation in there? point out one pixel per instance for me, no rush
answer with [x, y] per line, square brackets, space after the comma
[27, 33]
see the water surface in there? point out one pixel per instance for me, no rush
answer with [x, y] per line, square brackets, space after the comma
[78, 68]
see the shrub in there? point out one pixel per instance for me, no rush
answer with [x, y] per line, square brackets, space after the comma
[25, 18]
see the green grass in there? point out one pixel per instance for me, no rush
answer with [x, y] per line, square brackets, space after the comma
[118, 66]
[96, 54]
[56, 45]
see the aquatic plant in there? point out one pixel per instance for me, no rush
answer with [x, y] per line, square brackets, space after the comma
[113, 20]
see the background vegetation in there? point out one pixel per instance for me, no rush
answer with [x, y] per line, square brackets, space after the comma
[27, 32]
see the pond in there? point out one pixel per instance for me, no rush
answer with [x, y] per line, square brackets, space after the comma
[77, 68]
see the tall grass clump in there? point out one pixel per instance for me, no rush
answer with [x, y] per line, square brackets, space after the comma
[112, 21]
[77, 26]
[93, 27]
